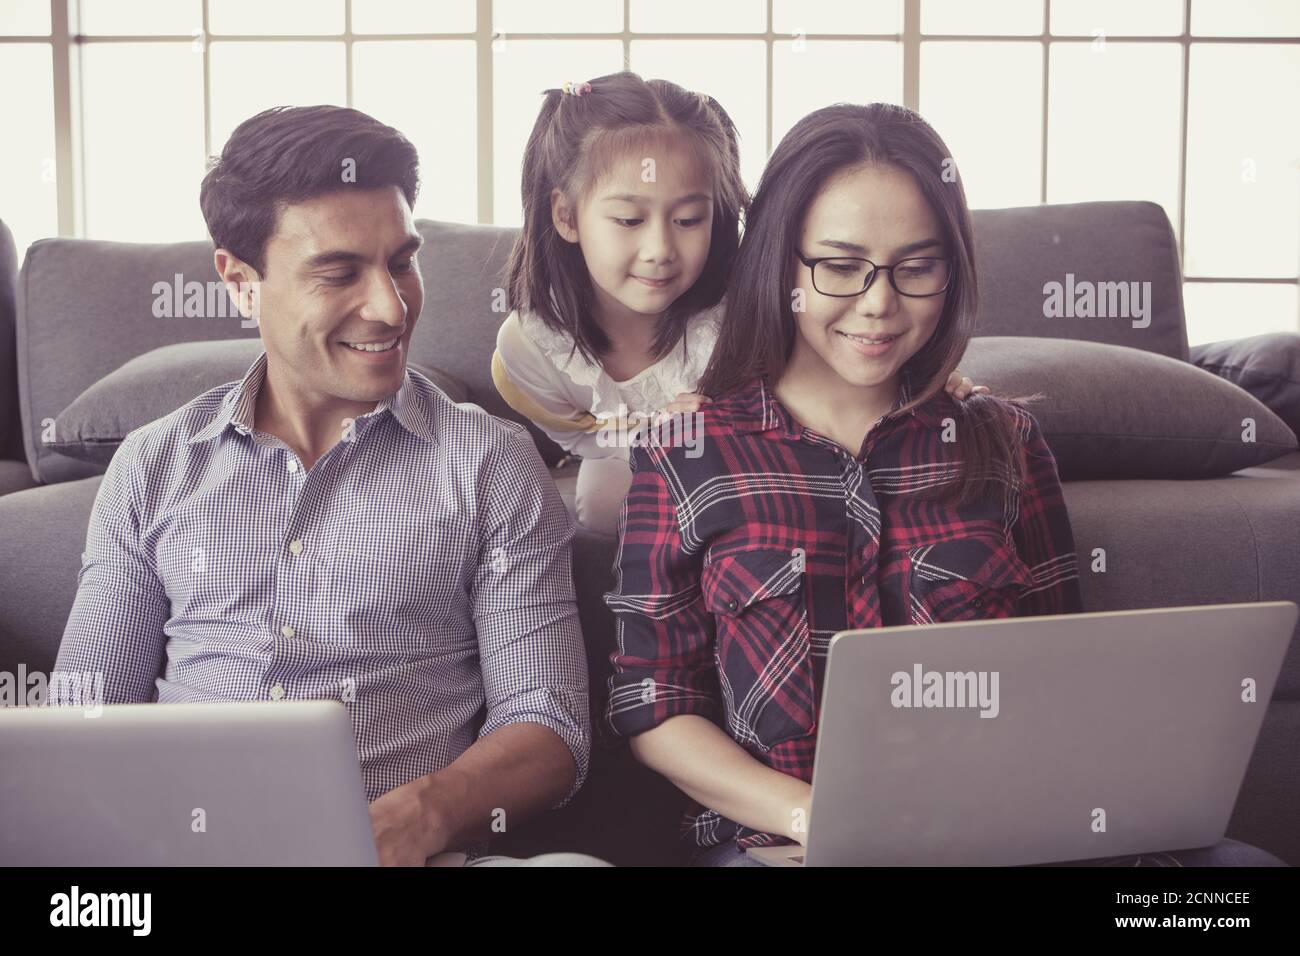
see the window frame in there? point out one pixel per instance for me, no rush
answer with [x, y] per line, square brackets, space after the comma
[66, 41]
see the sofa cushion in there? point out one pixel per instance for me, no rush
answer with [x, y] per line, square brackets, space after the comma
[157, 383]
[85, 307]
[1115, 412]
[1041, 268]
[1267, 366]
[15, 476]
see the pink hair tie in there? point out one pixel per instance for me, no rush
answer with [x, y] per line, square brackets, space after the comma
[575, 89]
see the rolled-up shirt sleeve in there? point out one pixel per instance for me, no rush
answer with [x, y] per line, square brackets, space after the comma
[531, 650]
[116, 626]
[663, 664]
[1042, 531]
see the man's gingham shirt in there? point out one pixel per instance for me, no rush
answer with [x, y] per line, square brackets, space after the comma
[736, 567]
[419, 573]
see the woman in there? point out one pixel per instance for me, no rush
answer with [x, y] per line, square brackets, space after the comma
[837, 485]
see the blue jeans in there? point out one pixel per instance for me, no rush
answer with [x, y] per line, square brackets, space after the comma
[1223, 853]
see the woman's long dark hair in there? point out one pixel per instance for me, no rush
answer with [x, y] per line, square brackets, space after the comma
[572, 143]
[758, 333]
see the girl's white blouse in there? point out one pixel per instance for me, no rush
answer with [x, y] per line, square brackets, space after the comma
[543, 364]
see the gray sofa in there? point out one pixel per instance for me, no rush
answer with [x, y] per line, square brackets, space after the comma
[15, 474]
[83, 310]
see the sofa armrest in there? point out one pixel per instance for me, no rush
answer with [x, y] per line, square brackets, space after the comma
[38, 575]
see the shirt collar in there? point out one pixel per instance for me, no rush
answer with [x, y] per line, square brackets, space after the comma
[407, 405]
[755, 408]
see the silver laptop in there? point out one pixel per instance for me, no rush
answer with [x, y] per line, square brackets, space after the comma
[1038, 739]
[214, 784]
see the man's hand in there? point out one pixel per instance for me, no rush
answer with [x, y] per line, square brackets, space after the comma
[510, 774]
[407, 825]
[960, 387]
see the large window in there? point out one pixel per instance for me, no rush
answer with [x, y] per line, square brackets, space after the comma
[1187, 103]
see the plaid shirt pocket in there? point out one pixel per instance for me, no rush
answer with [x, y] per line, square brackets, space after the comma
[964, 579]
[762, 644]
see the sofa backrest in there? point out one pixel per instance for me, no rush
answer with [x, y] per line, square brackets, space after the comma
[1105, 252]
[85, 307]
[11, 429]
[464, 306]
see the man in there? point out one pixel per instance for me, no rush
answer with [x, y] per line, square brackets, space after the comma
[333, 526]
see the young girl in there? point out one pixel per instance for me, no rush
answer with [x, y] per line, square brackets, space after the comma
[839, 487]
[632, 199]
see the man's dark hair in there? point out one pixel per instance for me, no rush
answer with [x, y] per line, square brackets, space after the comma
[289, 154]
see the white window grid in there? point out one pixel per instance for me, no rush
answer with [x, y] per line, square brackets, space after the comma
[64, 41]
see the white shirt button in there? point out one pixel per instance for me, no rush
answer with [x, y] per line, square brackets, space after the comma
[287, 631]
[277, 692]
[293, 465]
[295, 546]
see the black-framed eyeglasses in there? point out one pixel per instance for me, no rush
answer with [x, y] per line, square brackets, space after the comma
[844, 277]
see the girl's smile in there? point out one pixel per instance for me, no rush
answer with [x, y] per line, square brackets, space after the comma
[655, 283]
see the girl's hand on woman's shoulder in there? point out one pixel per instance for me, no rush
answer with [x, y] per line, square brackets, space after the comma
[961, 388]
[686, 403]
